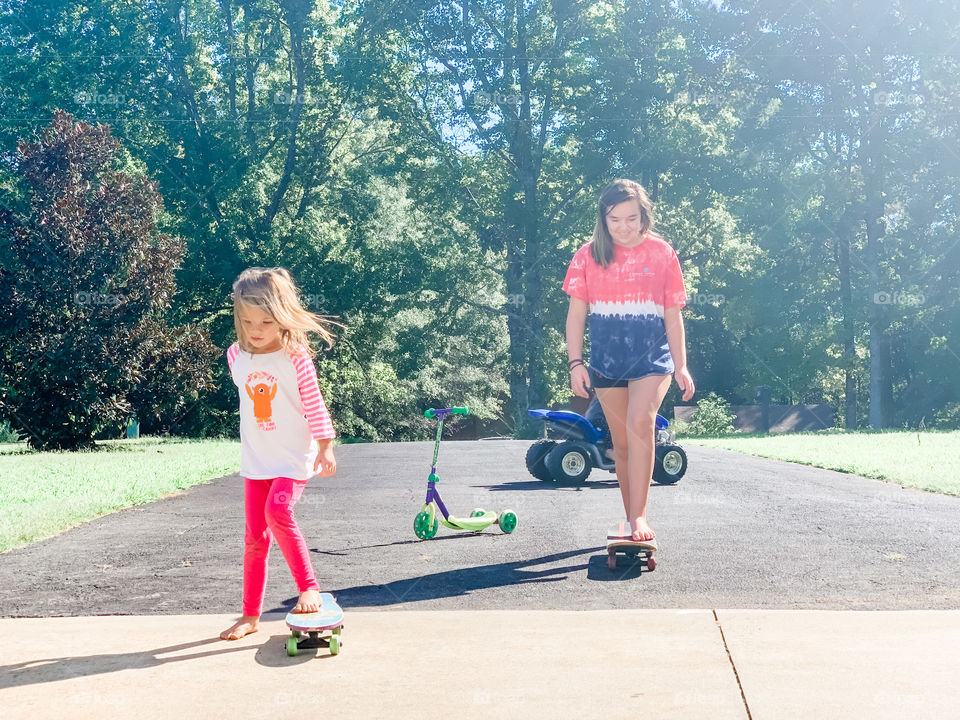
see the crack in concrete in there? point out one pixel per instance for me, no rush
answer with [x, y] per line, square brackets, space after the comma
[733, 665]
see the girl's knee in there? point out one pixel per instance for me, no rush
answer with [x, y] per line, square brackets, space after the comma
[256, 545]
[641, 425]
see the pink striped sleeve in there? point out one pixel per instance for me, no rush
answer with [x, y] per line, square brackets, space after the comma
[232, 354]
[315, 409]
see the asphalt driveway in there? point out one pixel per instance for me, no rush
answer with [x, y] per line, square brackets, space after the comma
[736, 532]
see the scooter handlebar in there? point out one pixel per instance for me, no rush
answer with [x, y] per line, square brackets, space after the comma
[432, 412]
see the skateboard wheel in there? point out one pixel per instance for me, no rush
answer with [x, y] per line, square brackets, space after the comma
[334, 644]
[651, 563]
[612, 561]
[297, 633]
[292, 646]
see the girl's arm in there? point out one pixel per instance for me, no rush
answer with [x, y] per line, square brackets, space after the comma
[676, 339]
[576, 323]
[315, 409]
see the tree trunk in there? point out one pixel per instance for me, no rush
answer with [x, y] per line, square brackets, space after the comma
[873, 216]
[849, 340]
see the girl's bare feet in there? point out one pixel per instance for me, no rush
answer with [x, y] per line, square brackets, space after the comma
[244, 626]
[309, 602]
[642, 532]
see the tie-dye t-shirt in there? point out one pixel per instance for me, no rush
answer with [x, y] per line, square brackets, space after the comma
[628, 338]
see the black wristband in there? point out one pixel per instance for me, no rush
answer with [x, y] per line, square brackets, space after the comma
[575, 360]
[576, 363]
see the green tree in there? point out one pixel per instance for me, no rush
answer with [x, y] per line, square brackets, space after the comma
[85, 279]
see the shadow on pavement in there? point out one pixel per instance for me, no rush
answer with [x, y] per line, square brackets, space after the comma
[551, 485]
[44, 670]
[627, 569]
[453, 583]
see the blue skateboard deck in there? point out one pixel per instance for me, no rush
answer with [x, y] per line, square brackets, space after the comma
[619, 541]
[316, 630]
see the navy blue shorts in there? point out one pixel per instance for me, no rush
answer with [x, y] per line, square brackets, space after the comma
[601, 381]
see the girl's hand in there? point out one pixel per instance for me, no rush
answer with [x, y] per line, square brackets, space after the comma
[326, 463]
[685, 381]
[580, 381]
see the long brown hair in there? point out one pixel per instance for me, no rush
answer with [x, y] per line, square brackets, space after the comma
[618, 191]
[272, 291]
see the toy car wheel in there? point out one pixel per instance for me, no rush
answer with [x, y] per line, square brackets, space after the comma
[536, 454]
[423, 527]
[670, 465]
[568, 462]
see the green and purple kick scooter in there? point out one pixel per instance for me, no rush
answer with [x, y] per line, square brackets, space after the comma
[434, 512]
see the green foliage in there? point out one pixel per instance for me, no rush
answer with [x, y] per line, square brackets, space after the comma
[427, 175]
[712, 418]
[85, 277]
[7, 433]
[948, 418]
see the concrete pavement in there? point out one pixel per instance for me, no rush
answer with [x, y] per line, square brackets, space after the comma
[754, 664]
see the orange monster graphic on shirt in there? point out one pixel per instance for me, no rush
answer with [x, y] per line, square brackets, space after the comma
[263, 390]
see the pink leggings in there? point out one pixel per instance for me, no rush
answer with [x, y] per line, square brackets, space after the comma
[269, 505]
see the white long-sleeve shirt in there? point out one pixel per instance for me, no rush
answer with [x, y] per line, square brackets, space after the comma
[282, 412]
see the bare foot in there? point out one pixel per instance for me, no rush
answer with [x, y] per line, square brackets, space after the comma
[309, 602]
[244, 626]
[642, 532]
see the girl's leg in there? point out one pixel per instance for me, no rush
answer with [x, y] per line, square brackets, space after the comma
[256, 547]
[284, 494]
[646, 395]
[614, 402]
[256, 551]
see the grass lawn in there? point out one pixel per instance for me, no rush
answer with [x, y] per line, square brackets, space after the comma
[929, 459]
[44, 493]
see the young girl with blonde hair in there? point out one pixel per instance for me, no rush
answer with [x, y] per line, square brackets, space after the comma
[286, 435]
[630, 280]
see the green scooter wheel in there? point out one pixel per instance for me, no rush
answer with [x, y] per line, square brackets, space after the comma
[423, 527]
[507, 521]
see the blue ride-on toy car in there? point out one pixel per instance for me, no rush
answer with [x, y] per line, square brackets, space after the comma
[575, 444]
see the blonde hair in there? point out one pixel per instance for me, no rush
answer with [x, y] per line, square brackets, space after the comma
[618, 191]
[272, 291]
